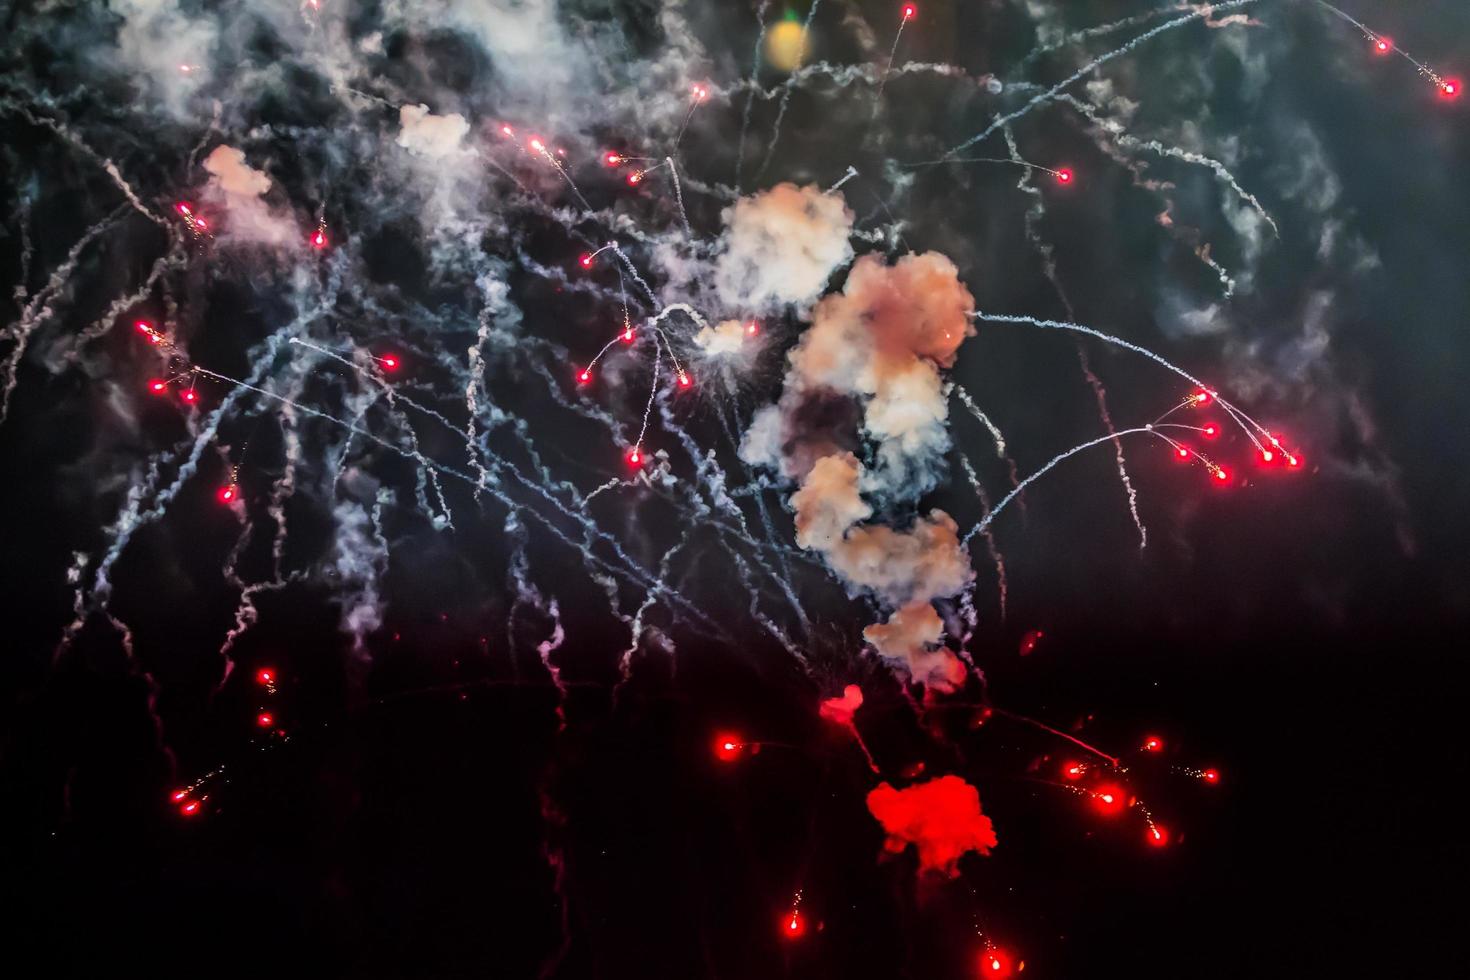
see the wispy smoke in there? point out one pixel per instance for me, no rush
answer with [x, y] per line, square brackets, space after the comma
[780, 248]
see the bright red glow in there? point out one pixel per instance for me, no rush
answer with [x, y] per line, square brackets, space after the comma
[1210, 431]
[1293, 460]
[1108, 799]
[189, 395]
[995, 962]
[586, 260]
[1157, 836]
[1382, 45]
[909, 10]
[319, 240]
[1210, 776]
[1268, 456]
[265, 676]
[727, 749]
[507, 131]
[684, 380]
[1073, 770]
[144, 327]
[158, 386]
[190, 808]
[628, 335]
[752, 328]
[265, 719]
[1202, 398]
[700, 93]
[389, 361]
[1031, 641]
[635, 177]
[1181, 452]
[585, 376]
[178, 795]
[1450, 88]
[793, 926]
[1221, 475]
[199, 223]
[1153, 744]
[227, 494]
[537, 145]
[635, 458]
[183, 209]
[612, 159]
[1064, 176]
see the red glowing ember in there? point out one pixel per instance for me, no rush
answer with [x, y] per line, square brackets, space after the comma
[265, 719]
[158, 386]
[319, 240]
[227, 494]
[1222, 475]
[586, 260]
[612, 159]
[1382, 45]
[1210, 430]
[1031, 641]
[1202, 398]
[189, 395]
[584, 376]
[1073, 770]
[635, 458]
[389, 361]
[728, 747]
[793, 926]
[190, 808]
[1210, 776]
[265, 676]
[1064, 176]
[1108, 800]
[995, 962]
[1450, 88]
[1181, 452]
[1153, 744]
[1157, 836]
[909, 10]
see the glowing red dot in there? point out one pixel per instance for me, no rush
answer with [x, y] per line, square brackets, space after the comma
[537, 145]
[585, 376]
[507, 131]
[1064, 176]
[1073, 770]
[1157, 836]
[909, 10]
[189, 395]
[752, 328]
[1203, 398]
[1153, 744]
[727, 747]
[1450, 88]
[1181, 452]
[1383, 45]
[586, 260]
[794, 926]
[319, 240]
[1268, 456]
[1221, 475]
[684, 381]
[390, 362]
[265, 719]
[995, 962]
[628, 335]
[178, 795]
[199, 223]
[144, 327]
[182, 208]
[190, 808]
[635, 458]
[265, 676]
[1108, 799]
[158, 386]
[1210, 776]
[1293, 461]
[1211, 431]
[635, 177]
[226, 494]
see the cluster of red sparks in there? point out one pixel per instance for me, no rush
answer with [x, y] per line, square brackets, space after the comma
[190, 800]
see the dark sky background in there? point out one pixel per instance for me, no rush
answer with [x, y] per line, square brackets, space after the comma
[432, 810]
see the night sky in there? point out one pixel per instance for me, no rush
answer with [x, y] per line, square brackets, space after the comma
[501, 657]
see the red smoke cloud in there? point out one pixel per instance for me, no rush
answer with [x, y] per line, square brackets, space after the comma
[842, 709]
[941, 817]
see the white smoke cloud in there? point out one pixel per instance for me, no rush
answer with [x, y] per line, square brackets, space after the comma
[170, 50]
[728, 339]
[240, 189]
[780, 247]
[911, 637]
[427, 135]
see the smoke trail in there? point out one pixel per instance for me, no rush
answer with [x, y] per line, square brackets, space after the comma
[786, 91]
[1051, 93]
